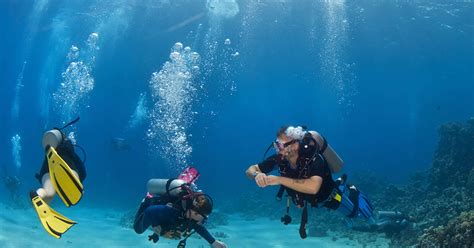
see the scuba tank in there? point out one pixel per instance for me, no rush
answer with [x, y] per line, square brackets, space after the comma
[174, 187]
[52, 138]
[55, 137]
[168, 187]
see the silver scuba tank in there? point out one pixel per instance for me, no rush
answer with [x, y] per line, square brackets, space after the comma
[52, 138]
[158, 186]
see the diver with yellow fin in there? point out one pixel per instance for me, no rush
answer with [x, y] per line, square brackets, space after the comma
[62, 172]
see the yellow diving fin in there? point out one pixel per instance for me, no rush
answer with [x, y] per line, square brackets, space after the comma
[53, 222]
[65, 182]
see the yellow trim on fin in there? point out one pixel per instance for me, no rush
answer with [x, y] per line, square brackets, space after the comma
[65, 182]
[53, 222]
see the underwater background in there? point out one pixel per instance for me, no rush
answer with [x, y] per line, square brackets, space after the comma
[161, 84]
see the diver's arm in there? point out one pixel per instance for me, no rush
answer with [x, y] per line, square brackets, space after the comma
[308, 186]
[201, 230]
[334, 161]
[252, 170]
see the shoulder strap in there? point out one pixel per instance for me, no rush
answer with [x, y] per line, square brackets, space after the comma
[325, 145]
[354, 198]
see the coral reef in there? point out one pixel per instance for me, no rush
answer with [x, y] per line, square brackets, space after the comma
[454, 157]
[442, 210]
[459, 232]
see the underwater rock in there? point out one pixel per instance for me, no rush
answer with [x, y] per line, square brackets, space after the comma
[458, 233]
[436, 208]
[454, 157]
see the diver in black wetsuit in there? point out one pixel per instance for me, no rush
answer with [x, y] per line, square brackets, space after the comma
[387, 222]
[306, 162]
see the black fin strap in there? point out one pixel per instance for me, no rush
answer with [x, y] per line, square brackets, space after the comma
[354, 197]
[304, 220]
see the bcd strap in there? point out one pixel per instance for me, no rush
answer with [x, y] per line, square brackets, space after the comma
[268, 149]
[304, 220]
[325, 145]
[167, 187]
[354, 198]
[280, 193]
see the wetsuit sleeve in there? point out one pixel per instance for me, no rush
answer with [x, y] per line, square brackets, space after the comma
[268, 164]
[201, 230]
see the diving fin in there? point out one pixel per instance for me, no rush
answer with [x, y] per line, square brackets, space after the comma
[65, 182]
[53, 222]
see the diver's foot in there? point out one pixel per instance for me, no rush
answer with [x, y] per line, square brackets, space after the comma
[33, 194]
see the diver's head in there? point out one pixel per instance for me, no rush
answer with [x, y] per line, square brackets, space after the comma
[53, 138]
[201, 207]
[287, 142]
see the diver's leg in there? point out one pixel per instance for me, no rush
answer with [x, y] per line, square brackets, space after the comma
[46, 192]
[389, 214]
[139, 224]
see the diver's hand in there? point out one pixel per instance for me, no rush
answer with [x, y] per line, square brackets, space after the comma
[218, 244]
[261, 179]
[273, 180]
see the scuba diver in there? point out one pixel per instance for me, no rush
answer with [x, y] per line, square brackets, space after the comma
[306, 162]
[388, 222]
[175, 209]
[12, 184]
[62, 173]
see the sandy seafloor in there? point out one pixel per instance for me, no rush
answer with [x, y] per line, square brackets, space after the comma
[99, 227]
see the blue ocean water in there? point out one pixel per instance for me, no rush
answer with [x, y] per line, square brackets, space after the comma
[376, 78]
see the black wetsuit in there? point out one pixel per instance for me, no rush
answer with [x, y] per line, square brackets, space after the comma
[169, 218]
[67, 153]
[305, 169]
